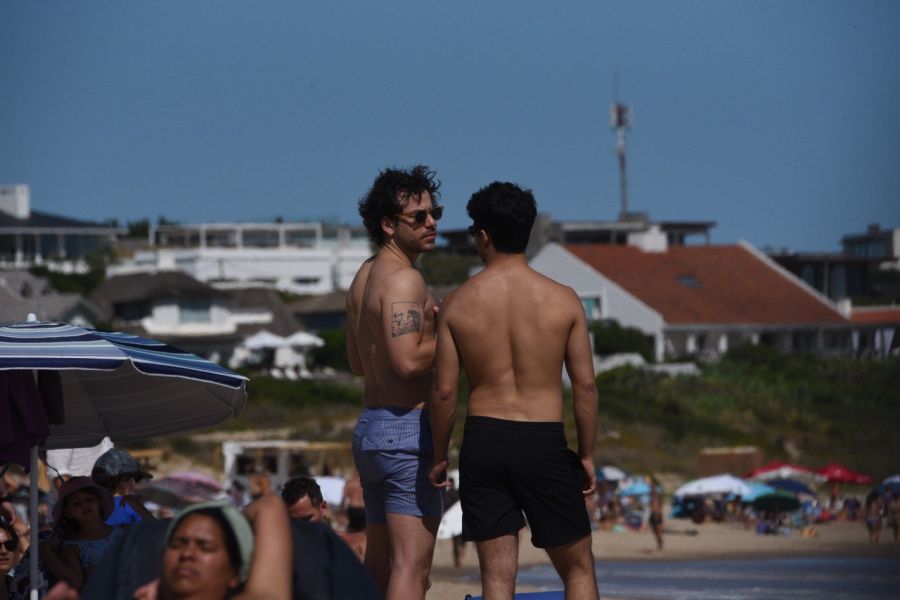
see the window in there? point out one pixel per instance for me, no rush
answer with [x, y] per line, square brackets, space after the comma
[591, 308]
[193, 310]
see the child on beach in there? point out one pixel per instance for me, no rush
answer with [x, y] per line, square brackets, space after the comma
[118, 472]
[81, 536]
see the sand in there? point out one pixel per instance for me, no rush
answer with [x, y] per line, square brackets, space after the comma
[712, 540]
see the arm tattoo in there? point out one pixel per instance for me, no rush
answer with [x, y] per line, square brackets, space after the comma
[406, 317]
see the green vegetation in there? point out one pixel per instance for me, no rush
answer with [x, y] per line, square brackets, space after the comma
[334, 353]
[825, 410]
[612, 338]
[793, 407]
[445, 268]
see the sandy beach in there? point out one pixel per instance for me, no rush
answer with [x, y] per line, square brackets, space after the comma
[711, 541]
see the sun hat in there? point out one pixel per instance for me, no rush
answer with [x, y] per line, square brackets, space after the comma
[83, 483]
[243, 533]
[115, 462]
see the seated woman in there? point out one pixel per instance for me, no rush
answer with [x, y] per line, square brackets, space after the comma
[213, 552]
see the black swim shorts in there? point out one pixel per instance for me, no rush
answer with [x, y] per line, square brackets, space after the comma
[507, 467]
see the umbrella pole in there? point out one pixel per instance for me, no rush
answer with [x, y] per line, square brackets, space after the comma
[35, 579]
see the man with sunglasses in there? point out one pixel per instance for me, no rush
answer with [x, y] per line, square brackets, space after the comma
[390, 341]
[513, 330]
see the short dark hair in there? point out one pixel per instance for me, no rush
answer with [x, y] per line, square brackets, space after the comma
[506, 212]
[388, 193]
[298, 487]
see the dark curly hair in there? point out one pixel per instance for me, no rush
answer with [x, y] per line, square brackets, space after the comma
[506, 212]
[390, 191]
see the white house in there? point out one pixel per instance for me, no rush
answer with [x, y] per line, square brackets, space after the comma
[697, 300]
[302, 258]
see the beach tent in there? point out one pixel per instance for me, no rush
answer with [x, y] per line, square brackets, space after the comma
[757, 489]
[838, 473]
[782, 470]
[717, 484]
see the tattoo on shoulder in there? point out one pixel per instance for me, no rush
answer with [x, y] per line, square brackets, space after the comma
[406, 317]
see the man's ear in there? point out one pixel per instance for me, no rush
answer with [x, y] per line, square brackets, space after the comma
[388, 226]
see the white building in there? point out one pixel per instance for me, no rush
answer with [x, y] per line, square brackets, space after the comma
[32, 238]
[302, 258]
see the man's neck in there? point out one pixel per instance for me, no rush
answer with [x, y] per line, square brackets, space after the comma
[395, 252]
[499, 260]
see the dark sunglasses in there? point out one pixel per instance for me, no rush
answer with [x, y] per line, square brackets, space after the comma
[10, 545]
[419, 216]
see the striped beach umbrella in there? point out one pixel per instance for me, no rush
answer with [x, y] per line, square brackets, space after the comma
[95, 384]
[119, 385]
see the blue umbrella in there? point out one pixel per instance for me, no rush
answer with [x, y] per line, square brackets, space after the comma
[791, 485]
[105, 384]
[640, 488]
[756, 490]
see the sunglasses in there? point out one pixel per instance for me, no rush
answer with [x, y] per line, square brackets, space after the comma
[10, 545]
[419, 216]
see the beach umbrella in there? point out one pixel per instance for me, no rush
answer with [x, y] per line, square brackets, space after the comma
[792, 486]
[451, 522]
[639, 488]
[891, 479]
[96, 384]
[778, 501]
[781, 470]
[304, 339]
[757, 489]
[264, 339]
[611, 473]
[838, 473]
[717, 484]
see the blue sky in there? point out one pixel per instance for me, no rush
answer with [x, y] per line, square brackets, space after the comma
[779, 120]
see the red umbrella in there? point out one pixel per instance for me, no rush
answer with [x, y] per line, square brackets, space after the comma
[837, 473]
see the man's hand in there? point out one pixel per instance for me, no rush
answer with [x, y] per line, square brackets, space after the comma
[62, 591]
[589, 470]
[149, 591]
[438, 474]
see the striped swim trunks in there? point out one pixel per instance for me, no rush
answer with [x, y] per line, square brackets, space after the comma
[393, 451]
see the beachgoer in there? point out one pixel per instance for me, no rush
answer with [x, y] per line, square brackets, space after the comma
[10, 554]
[260, 482]
[390, 341]
[513, 330]
[304, 501]
[893, 516]
[118, 472]
[353, 503]
[214, 552]
[81, 536]
[873, 518]
[656, 516]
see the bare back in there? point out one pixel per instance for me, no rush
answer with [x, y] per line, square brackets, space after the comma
[372, 297]
[514, 330]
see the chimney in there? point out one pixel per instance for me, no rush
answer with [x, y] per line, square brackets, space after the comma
[15, 200]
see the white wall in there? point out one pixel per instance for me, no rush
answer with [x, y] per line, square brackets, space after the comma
[556, 262]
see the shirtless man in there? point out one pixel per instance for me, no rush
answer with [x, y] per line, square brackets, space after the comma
[391, 342]
[513, 329]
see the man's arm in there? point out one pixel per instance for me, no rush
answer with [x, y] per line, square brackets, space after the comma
[443, 400]
[403, 325]
[272, 563]
[580, 367]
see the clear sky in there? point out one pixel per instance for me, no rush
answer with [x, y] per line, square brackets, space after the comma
[778, 119]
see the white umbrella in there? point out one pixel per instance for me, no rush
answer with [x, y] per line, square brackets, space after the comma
[612, 473]
[788, 472]
[451, 522]
[717, 484]
[305, 339]
[264, 339]
[106, 384]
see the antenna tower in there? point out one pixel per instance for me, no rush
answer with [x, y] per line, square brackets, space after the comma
[620, 120]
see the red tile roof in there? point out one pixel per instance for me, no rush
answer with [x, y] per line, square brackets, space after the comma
[876, 315]
[709, 285]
